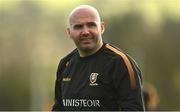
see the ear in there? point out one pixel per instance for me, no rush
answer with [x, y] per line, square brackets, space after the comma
[68, 30]
[102, 27]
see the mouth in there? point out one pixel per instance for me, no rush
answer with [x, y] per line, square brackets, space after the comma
[86, 40]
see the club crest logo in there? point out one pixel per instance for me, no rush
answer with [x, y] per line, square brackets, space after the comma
[93, 79]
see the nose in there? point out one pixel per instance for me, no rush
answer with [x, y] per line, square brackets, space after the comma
[85, 31]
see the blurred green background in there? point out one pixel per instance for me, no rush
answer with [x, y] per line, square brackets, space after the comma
[33, 39]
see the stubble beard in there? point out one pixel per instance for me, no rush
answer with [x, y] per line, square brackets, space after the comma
[90, 49]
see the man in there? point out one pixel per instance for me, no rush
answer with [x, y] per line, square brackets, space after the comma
[151, 98]
[96, 75]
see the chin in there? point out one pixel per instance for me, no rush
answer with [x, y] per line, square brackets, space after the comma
[87, 48]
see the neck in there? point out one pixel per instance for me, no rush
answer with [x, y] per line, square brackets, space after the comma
[90, 52]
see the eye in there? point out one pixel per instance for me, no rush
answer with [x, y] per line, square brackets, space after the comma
[91, 24]
[78, 26]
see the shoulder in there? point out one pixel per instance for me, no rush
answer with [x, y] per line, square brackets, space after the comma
[69, 56]
[114, 52]
[127, 62]
[64, 61]
[118, 55]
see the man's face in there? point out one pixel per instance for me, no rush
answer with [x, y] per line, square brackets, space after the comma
[86, 30]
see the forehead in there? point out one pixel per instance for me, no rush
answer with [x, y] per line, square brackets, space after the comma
[83, 16]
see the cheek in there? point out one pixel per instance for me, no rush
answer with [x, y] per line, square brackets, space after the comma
[75, 33]
[93, 33]
[75, 37]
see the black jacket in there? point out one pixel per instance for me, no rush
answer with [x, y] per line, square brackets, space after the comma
[106, 80]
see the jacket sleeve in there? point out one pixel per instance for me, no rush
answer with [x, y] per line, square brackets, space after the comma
[58, 104]
[127, 82]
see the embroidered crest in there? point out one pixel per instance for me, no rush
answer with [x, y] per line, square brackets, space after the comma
[93, 79]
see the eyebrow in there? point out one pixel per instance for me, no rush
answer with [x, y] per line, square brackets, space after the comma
[88, 23]
[92, 23]
[77, 25]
